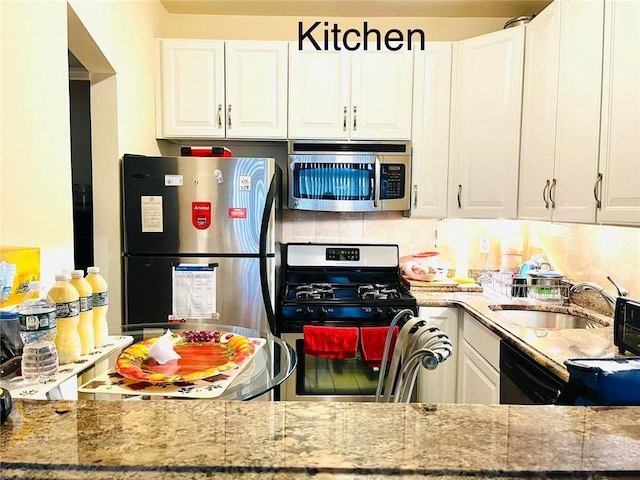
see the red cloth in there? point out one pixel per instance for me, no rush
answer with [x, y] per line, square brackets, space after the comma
[330, 342]
[372, 344]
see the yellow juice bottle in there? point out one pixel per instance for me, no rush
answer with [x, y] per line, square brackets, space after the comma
[100, 305]
[85, 326]
[67, 302]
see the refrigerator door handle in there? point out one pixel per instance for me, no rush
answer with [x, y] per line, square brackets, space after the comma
[264, 228]
[266, 294]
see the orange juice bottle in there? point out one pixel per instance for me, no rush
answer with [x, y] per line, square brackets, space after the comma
[100, 305]
[85, 327]
[67, 302]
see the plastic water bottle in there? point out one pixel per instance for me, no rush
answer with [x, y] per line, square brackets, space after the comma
[67, 302]
[37, 316]
[100, 305]
[85, 327]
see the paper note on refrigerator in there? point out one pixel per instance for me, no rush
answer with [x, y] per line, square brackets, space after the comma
[194, 290]
[151, 213]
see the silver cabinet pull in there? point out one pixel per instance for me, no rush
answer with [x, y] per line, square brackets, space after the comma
[219, 115]
[229, 116]
[344, 119]
[459, 196]
[415, 196]
[355, 116]
[544, 194]
[595, 191]
[376, 181]
[552, 193]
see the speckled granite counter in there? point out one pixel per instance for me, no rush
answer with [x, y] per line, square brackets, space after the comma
[176, 439]
[548, 347]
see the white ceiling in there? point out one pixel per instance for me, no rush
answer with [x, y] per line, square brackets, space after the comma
[359, 8]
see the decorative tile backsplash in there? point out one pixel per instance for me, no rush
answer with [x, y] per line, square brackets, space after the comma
[581, 252]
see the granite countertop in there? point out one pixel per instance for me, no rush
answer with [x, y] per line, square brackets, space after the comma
[192, 439]
[549, 348]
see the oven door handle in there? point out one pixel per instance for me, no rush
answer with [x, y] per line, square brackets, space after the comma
[376, 181]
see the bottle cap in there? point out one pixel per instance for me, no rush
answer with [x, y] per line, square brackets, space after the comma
[93, 270]
[77, 273]
[34, 285]
[62, 276]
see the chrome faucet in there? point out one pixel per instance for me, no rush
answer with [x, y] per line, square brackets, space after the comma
[609, 298]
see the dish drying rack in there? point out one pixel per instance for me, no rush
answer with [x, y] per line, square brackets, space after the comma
[512, 286]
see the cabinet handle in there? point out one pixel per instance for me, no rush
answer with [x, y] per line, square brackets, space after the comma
[552, 193]
[229, 116]
[459, 196]
[544, 194]
[415, 196]
[376, 181]
[595, 191]
[355, 116]
[219, 115]
[344, 119]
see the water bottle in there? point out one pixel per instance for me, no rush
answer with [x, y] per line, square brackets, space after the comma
[100, 305]
[67, 302]
[37, 316]
[85, 327]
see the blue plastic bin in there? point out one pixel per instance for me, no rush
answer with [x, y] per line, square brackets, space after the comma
[602, 381]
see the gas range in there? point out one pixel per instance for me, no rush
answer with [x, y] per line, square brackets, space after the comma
[341, 285]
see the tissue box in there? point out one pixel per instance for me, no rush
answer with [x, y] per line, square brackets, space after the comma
[27, 261]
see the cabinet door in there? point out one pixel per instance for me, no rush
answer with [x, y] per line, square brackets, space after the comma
[430, 127]
[620, 142]
[256, 89]
[381, 95]
[192, 89]
[478, 382]
[578, 116]
[439, 385]
[539, 104]
[319, 92]
[486, 125]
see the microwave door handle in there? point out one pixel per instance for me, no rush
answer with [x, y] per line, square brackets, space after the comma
[376, 182]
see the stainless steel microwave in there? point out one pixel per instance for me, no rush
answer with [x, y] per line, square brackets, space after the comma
[331, 176]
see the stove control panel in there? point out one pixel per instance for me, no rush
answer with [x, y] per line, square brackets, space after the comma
[343, 254]
[314, 312]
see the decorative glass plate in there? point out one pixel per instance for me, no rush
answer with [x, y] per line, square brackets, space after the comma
[204, 353]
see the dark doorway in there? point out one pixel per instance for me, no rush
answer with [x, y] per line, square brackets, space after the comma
[81, 174]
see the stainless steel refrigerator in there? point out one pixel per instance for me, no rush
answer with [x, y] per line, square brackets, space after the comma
[201, 240]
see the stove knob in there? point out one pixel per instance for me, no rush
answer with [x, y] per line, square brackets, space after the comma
[392, 312]
[322, 312]
[377, 312]
[308, 313]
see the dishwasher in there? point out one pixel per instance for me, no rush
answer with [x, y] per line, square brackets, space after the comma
[525, 382]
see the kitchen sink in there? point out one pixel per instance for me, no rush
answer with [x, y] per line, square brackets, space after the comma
[544, 319]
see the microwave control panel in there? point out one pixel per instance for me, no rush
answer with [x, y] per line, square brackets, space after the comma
[392, 185]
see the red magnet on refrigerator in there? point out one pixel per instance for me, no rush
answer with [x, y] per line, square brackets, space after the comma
[201, 215]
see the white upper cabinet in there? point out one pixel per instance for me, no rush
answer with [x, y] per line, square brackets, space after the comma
[620, 127]
[430, 127]
[204, 96]
[349, 95]
[485, 127]
[579, 96]
[561, 112]
[539, 105]
[192, 89]
[256, 89]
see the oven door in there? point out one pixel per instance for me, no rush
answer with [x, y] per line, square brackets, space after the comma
[328, 380]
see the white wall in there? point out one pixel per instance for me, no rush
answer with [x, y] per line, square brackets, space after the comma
[35, 170]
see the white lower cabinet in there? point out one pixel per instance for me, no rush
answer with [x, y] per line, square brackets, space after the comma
[478, 375]
[439, 385]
